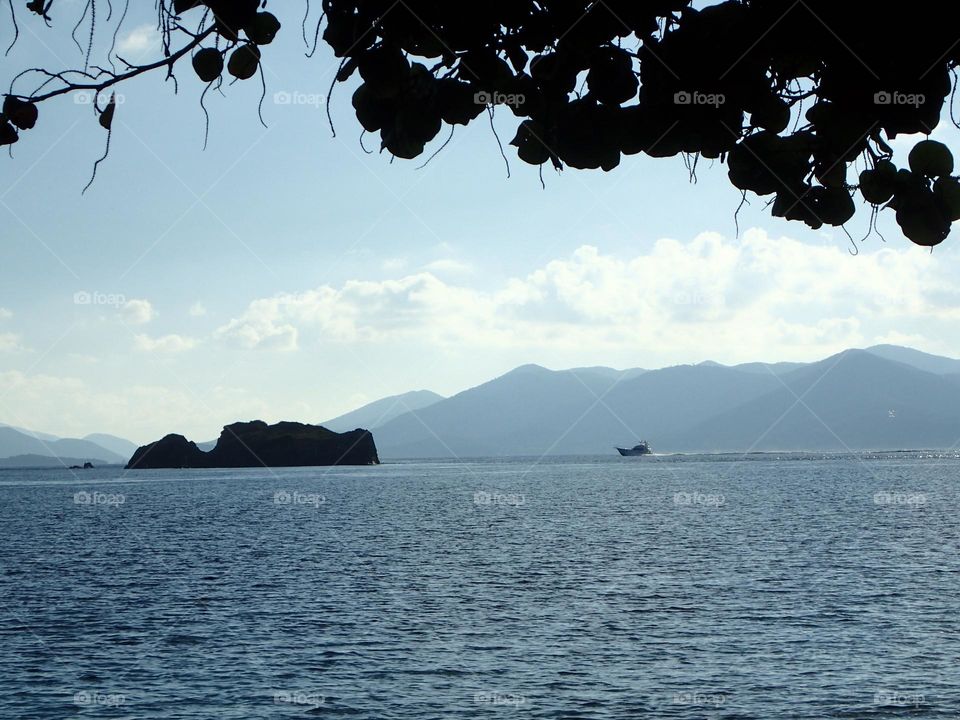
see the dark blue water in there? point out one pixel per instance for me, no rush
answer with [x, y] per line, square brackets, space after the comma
[792, 587]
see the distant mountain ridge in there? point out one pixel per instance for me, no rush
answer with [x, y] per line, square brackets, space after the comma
[120, 446]
[881, 397]
[532, 411]
[33, 433]
[15, 442]
[46, 461]
[936, 364]
[375, 414]
[852, 401]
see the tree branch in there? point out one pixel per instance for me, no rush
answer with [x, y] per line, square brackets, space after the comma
[167, 62]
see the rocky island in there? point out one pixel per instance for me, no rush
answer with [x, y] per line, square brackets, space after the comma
[256, 444]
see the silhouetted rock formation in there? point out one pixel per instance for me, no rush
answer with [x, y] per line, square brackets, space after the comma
[256, 444]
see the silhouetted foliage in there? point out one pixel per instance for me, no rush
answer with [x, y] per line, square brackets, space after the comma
[796, 96]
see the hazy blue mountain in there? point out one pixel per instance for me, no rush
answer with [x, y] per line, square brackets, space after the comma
[379, 412]
[532, 411]
[882, 397]
[516, 413]
[609, 372]
[918, 359]
[47, 437]
[777, 368]
[854, 400]
[14, 442]
[45, 461]
[120, 446]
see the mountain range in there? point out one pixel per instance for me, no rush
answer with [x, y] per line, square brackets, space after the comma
[884, 397]
[382, 411]
[98, 449]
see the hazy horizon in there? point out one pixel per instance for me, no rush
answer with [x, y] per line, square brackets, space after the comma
[912, 358]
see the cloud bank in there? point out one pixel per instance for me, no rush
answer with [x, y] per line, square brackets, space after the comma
[736, 299]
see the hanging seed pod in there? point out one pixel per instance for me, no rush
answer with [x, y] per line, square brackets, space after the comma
[244, 61]
[106, 117]
[263, 28]
[8, 133]
[931, 158]
[21, 113]
[208, 64]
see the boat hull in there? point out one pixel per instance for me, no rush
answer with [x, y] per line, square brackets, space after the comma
[630, 452]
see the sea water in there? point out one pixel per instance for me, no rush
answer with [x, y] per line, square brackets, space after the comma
[761, 586]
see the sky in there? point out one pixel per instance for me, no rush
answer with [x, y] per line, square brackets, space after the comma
[284, 273]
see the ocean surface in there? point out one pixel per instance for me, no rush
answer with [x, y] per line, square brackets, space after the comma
[766, 586]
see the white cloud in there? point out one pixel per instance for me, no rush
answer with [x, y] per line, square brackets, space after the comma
[10, 342]
[139, 41]
[198, 309]
[261, 326]
[5, 314]
[138, 312]
[393, 265]
[757, 297]
[164, 344]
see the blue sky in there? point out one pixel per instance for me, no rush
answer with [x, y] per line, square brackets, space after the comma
[284, 273]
